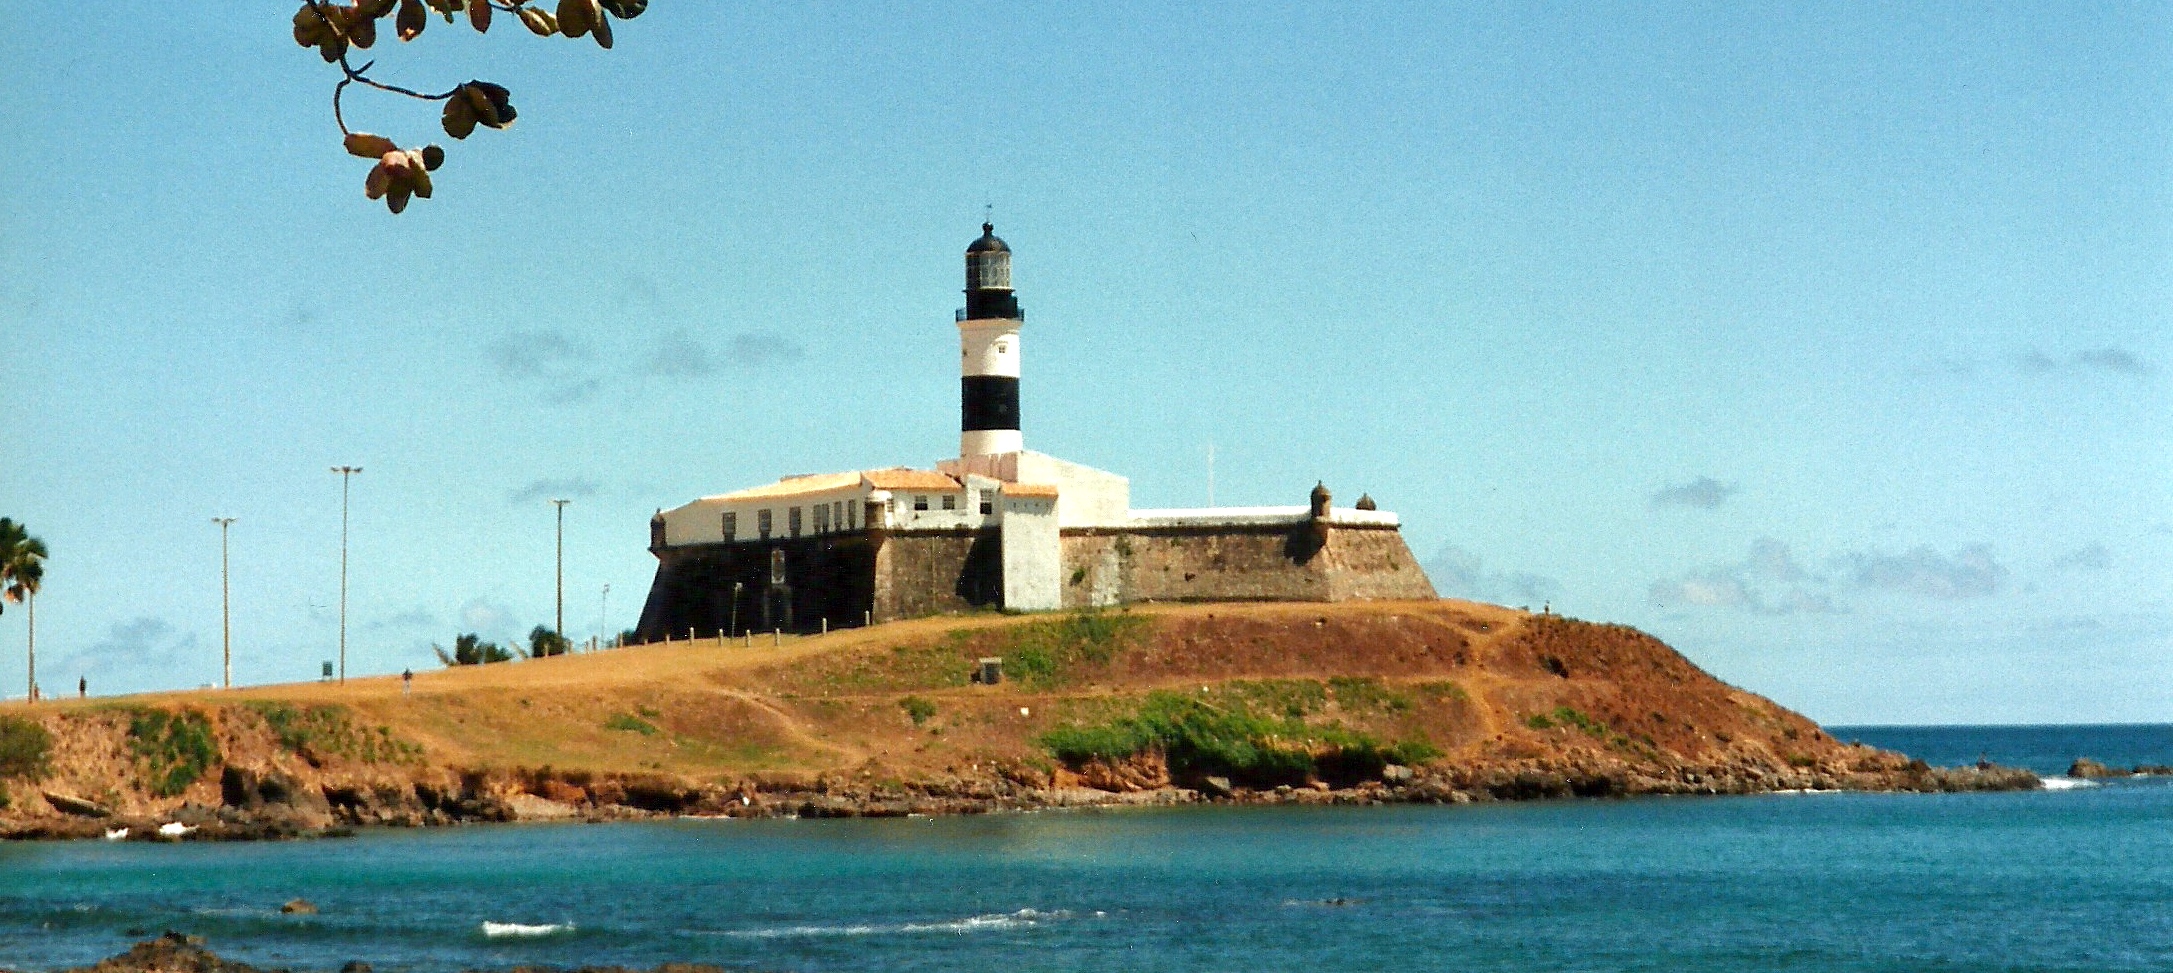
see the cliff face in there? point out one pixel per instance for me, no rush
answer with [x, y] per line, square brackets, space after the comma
[1435, 700]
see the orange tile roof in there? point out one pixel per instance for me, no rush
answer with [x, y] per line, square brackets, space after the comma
[901, 478]
[1030, 490]
[793, 486]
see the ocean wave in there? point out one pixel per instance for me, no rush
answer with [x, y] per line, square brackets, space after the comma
[1024, 918]
[498, 930]
[2067, 783]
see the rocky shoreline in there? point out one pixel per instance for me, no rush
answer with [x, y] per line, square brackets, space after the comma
[272, 806]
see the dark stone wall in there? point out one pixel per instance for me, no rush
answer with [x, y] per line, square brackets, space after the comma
[829, 577]
[845, 578]
[932, 573]
[838, 578]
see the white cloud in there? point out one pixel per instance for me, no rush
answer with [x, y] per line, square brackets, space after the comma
[1703, 493]
[1970, 572]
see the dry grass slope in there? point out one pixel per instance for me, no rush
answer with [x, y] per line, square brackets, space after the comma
[1492, 699]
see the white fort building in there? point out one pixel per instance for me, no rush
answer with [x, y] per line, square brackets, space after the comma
[1000, 526]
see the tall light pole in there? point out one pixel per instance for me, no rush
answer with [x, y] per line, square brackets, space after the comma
[561, 505]
[603, 618]
[226, 608]
[346, 473]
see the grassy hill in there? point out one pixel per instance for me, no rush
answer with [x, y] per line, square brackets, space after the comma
[1282, 701]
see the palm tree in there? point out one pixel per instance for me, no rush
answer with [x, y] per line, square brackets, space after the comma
[22, 567]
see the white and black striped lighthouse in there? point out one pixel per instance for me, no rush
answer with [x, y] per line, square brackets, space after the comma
[988, 347]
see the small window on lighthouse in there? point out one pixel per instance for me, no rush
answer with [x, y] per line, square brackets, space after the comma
[1003, 347]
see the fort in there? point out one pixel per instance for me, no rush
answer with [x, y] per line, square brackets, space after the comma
[998, 527]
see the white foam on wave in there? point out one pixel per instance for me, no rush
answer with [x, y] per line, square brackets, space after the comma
[498, 930]
[1021, 919]
[2067, 783]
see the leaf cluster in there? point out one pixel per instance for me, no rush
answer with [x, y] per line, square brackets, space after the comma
[544, 643]
[335, 29]
[22, 562]
[469, 649]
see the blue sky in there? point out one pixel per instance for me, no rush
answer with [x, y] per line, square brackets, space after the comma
[1828, 344]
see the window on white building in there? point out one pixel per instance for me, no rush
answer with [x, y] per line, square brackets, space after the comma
[920, 502]
[764, 523]
[792, 521]
[950, 502]
[731, 526]
[822, 518]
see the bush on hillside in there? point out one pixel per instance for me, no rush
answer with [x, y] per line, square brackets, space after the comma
[1199, 739]
[918, 708]
[25, 749]
[176, 748]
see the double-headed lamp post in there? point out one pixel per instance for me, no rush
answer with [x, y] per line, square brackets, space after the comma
[226, 610]
[346, 473]
[561, 505]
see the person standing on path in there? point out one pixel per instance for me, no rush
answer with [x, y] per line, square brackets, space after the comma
[82, 687]
[407, 681]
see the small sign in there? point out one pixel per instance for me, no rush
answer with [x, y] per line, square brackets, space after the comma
[327, 672]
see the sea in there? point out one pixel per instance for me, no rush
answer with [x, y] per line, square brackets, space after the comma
[2075, 877]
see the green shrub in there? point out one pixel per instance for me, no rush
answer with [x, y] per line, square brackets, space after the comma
[176, 748]
[1566, 716]
[330, 731]
[1201, 739]
[1413, 752]
[628, 721]
[917, 708]
[1293, 698]
[25, 749]
[1043, 654]
[1442, 689]
[1367, 693]
[1591, 727]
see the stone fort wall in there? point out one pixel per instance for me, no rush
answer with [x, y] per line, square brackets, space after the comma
[842, 579]
[1306, 562]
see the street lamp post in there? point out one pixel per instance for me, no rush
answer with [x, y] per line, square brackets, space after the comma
[226, 609]
[346, 473]
[603, 618]
[561, 505]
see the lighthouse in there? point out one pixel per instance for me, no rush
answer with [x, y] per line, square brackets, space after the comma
[988, 352]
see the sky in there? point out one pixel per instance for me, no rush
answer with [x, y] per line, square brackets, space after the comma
[1828, 343]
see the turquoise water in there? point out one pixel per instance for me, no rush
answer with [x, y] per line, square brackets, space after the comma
[2078, 879]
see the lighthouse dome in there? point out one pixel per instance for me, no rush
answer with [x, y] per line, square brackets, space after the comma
[989, 242]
